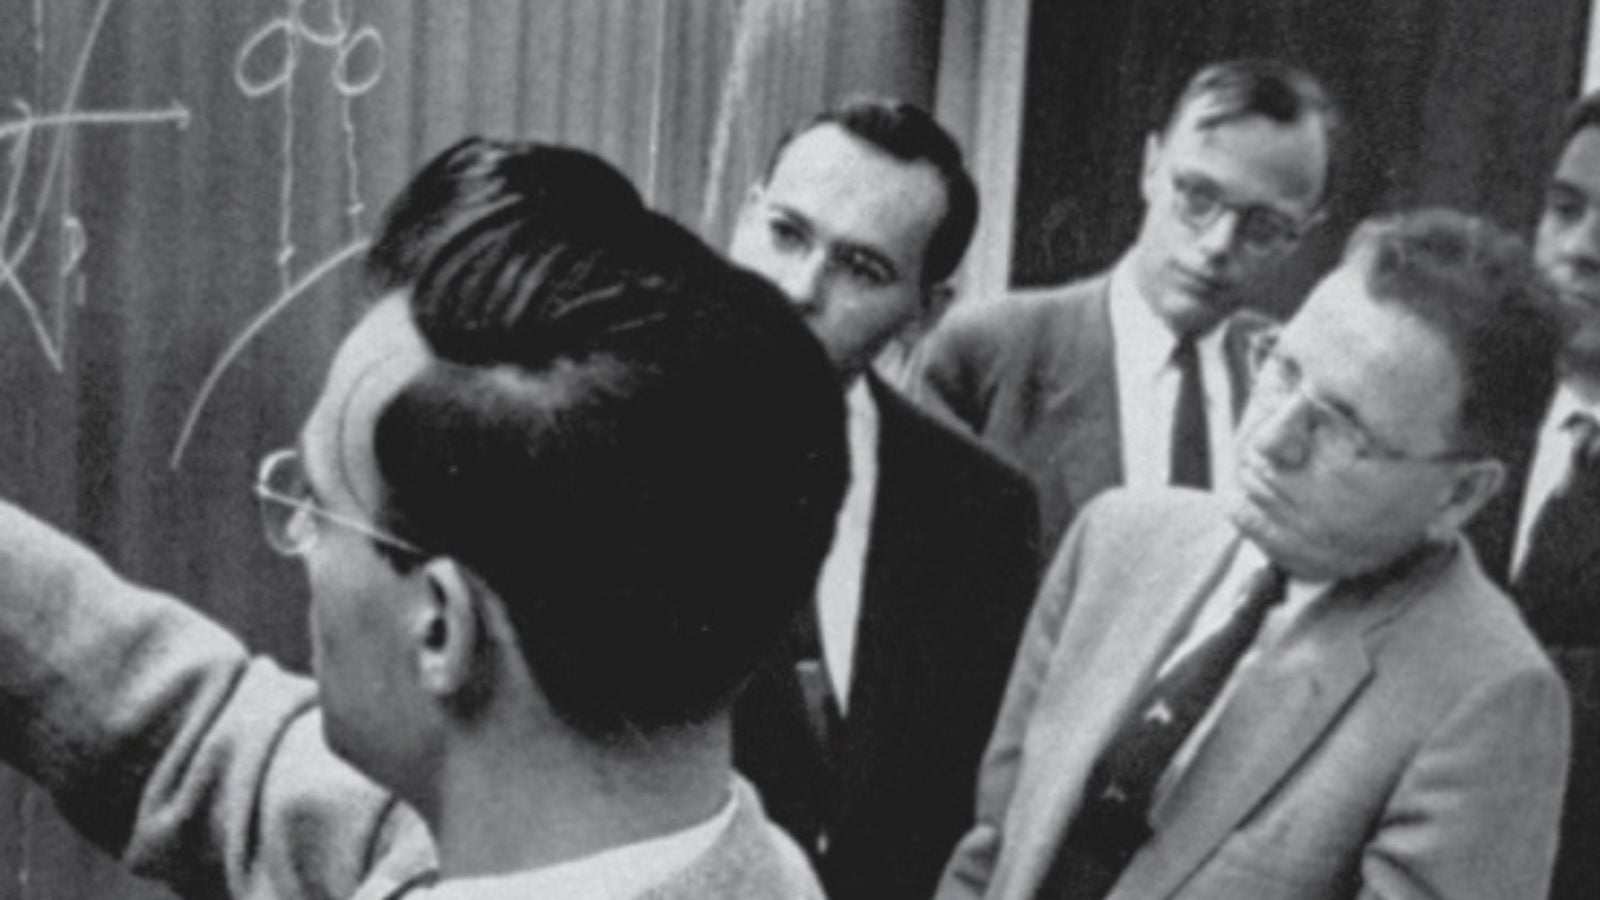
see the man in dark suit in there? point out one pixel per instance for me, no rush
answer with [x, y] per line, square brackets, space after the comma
[1305, 686]
[864, 734]
[1128, 377]
[1542, 537]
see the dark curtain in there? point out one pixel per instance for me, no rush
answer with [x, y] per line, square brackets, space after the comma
[1452, 102]
[186, 185]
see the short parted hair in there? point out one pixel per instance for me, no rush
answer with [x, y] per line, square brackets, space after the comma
[908, 133]
[1268, 88]
[1476, 285]
[636, 445]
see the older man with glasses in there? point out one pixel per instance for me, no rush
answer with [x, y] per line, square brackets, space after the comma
[1304, 686]
[567, 482]
[1136, 376]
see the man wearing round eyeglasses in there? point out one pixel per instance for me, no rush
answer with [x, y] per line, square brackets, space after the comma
[1127, 377]
[1304, 686]
[566, 484]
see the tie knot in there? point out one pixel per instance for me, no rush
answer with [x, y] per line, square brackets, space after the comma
[1267, 586]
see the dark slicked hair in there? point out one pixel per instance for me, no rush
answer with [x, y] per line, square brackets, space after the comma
[1477, 286]
[1268, 88]
[908, 133]
[636, 445]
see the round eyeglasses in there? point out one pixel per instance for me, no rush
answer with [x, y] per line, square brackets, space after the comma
[290, 512]
[1262, 230]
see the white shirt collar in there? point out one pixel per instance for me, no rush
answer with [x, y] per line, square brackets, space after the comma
[1147, 387]
[1552, 458]
[843, 572]
[620, 872]
[1144, 342]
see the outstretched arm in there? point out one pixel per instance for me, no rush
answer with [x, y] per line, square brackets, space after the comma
[165, 743]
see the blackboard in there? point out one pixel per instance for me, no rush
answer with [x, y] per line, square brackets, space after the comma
[185, 188]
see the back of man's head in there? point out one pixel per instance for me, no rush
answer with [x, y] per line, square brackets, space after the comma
[634, 444]
[1477, 286]
[909, 134]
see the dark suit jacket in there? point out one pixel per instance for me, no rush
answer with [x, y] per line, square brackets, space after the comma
[1403, 738]
[1493, 532]
[1034, 377]
[949, 577]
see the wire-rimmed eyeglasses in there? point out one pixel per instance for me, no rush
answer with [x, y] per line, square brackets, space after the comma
[290, 510]
[1277, 378]
[1262, 230]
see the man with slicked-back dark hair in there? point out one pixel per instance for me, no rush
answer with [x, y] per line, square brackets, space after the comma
[568, 480]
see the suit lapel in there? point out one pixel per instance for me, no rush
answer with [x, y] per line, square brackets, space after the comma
[1082, 405]
[1282, 706]
[1102, 666]
[888, 601]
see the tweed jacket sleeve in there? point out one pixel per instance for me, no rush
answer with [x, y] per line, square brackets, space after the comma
[163, 741]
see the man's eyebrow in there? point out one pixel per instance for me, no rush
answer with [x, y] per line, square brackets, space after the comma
[1559, 185]
[873, 255]
[790, 212]
[841, 248]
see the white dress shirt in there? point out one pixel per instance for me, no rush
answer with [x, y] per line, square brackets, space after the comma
[1551, 462]
[621, 872]
[839, 584]
[1147, 388]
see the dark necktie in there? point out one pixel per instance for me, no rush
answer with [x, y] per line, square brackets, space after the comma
[816, 686]
[1558, 585]
[1191, 440]
[1111, 824]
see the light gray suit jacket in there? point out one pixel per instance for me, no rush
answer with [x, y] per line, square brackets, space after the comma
[1405, 739]
[166, 743]
[1034, 378]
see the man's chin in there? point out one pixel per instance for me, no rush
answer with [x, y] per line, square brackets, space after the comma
[1257, 526]
[1195, 309]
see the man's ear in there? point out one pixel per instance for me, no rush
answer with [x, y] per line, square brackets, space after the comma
[936, 301]
[448, 634]
[1474, 487]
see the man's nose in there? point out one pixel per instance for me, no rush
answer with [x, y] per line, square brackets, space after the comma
[1282, 434]
[1219, 236]
[804, 280]
[1580, 245]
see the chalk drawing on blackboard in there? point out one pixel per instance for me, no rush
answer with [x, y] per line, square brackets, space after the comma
[21, 221]
[257, 325]
[266, 65]
[267, 62]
